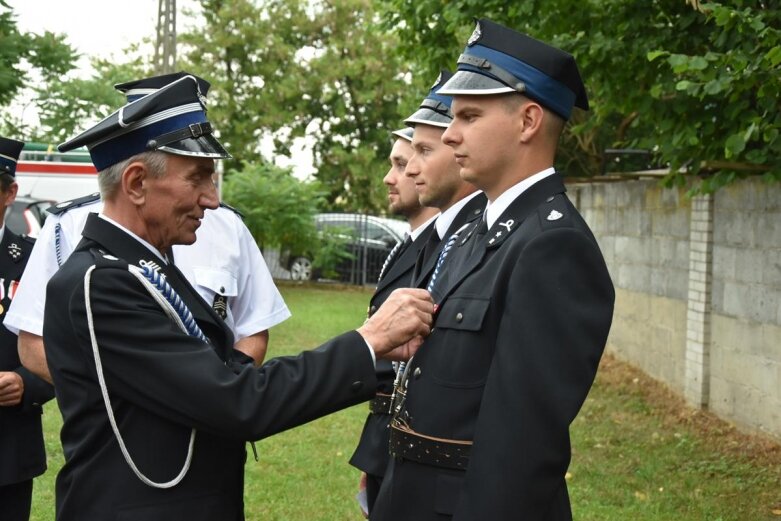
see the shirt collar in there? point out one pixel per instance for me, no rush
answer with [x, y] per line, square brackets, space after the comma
[417, 231]
[136, 237]
[2, 232]
[495, 209]
[446, 218]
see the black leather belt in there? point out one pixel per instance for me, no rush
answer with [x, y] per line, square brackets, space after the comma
[380, 404]
[438, 452]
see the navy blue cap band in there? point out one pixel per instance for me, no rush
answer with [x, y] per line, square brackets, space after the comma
[7, 165]
[113, 151]
[538, 86]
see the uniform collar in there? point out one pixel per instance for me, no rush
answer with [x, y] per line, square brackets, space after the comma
[136, 237]
[446, 217]
[494, 209]
[423, 227]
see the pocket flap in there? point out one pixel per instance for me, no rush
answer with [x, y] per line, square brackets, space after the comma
[219, 281]
[465, 313]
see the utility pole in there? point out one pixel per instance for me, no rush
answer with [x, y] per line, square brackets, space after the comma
[165, 48]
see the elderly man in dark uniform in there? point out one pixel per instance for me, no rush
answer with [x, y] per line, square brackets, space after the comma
[371, 455]
[156, 404]
[22, 455]
[524, 304]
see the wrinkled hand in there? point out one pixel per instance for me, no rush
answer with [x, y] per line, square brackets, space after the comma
[11, 388]
[398, 328]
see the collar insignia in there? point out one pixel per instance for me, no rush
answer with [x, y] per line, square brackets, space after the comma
[554, 215]
[152, 265]
[14, 251]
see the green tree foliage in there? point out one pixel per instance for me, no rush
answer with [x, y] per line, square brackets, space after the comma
[697, 83]
[65, 107]
[24, 58]
[291, 68]
[278, 208]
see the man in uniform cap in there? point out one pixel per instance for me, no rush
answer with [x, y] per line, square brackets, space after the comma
[371, 455]
[224, 265]
[22, 454]
[522, 309]
[155, 407]
[436, 175]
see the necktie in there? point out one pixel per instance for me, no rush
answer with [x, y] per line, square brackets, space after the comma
[394, 254]
[430, 247]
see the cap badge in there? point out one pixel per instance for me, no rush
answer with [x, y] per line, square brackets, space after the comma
[438, 80]
[554, 215]
[14, 251]
[476, 35]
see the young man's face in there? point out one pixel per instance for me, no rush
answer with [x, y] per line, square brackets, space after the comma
[433, 168]
[402, 197]
[483, 131]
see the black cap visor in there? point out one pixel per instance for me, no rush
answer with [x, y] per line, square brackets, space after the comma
[205, 145]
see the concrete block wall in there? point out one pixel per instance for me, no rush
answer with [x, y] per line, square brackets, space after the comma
[698, 290]
[643, 231]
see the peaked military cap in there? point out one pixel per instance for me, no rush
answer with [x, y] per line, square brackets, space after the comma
[137, 89]
[9, 155]
[404, 133]
[171, 119]
[435, 108]
[499, 60]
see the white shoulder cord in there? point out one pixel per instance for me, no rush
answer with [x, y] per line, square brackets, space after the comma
[169, 310]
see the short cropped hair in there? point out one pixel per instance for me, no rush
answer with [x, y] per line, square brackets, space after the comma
[109, 178]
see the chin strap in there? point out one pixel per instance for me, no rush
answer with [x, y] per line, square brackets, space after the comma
[176, 310]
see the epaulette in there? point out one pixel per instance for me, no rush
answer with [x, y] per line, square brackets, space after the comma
[64, 206]
[232, 209]
[554, 213]
[106, 260]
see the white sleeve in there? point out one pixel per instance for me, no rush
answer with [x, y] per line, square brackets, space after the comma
[26, 311]
[258, 305]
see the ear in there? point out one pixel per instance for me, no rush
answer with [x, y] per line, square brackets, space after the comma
[13, 188]
[531, 118]
[134, 182]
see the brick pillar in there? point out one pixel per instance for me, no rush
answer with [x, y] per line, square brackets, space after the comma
[698, 315]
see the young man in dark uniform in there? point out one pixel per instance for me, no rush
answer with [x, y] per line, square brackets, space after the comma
[523, 308]
[22, 455]
[371, 454]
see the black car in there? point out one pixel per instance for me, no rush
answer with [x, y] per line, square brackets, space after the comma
[365, 240]
[26, 215]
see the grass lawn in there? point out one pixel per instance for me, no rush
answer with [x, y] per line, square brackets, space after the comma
[638, 452]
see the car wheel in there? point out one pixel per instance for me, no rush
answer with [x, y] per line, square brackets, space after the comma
[301, 269]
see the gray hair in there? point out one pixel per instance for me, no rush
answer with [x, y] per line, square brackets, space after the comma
[109, 178]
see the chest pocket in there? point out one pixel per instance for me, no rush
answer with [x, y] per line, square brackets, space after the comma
[216, 281]
[463, 313]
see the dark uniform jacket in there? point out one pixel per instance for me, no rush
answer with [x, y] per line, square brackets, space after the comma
[162, 383]
[22, 455]
[371, 455]
[425, 266]
[522, 322]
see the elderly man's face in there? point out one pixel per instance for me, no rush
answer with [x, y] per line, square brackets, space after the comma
[177, 201]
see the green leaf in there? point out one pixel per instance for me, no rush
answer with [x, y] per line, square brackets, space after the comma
[652, 55]
[734, 145]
